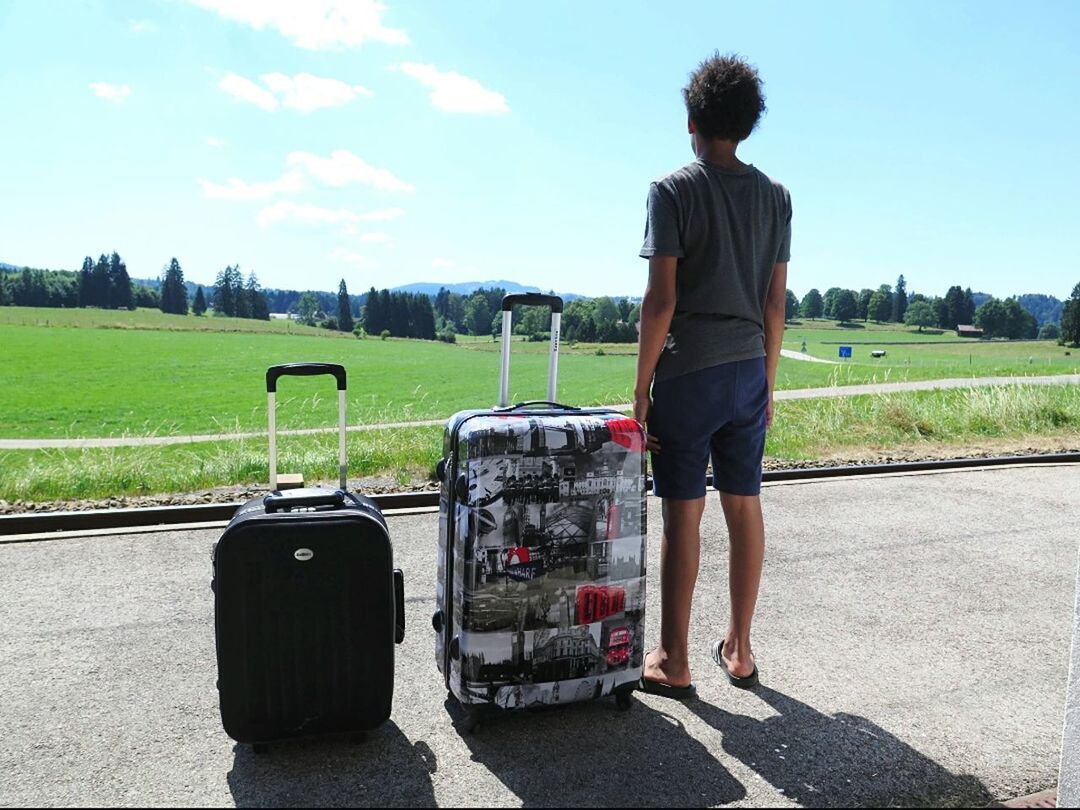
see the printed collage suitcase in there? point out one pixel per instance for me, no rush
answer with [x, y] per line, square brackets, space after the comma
[542, 545]
[308, 605]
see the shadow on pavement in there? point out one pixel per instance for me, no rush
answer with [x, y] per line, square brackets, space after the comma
[841, 760]
[593, 755]
[385, 770]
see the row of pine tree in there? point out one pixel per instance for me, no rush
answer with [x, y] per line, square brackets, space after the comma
[105, 283]
[957, 307]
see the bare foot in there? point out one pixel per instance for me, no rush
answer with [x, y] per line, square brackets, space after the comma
[659, 667]
[738, 660]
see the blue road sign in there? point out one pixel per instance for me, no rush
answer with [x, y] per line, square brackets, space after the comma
[845, 351]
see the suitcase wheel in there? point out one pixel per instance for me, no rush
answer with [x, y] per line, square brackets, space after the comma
[260, 748]
[471, 724]
[624, 699]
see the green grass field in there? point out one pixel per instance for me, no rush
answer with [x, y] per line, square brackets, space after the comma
[931, 349]
[95, 373]
[154, 320]
[91, 373]
[103, 382]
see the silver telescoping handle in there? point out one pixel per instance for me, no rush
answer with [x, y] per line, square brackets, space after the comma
[530, 299]
[305, 370]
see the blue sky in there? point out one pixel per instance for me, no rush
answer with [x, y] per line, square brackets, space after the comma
[387, 143]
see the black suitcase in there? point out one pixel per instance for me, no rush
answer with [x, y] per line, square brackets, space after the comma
[308, 605]
[542, 543]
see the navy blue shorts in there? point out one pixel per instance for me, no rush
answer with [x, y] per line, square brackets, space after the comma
[718, 412]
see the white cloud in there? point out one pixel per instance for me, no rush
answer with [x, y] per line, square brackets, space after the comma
[455, 93]
[142, 26]
[443, 264]
[247, 90]
[313, 214]
[303, 92]
[343, 255]
[237, 189]
[344, 168]
[313, 24]
[375, 237]
[217, 143]
[116, 93]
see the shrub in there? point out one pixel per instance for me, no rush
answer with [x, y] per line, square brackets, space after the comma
[1050, 331]
[384, 334]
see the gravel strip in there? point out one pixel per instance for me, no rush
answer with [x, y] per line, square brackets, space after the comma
[381, 485]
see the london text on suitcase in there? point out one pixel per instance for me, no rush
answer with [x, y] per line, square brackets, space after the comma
[308, 605]
[541, 568]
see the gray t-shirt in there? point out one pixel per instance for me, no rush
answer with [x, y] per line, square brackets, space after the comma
[727, 229]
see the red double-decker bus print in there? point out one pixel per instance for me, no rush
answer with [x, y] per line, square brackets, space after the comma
[618, 648]
[596, 602]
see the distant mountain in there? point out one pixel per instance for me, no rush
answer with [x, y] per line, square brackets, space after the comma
[9, 267]
[1045, 308]
[469, 287]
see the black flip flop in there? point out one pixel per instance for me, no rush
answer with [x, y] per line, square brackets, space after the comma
[651, 687]
[749, 682]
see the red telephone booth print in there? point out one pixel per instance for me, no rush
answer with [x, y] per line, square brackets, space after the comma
[612, 521]
[616, 600]
[596, 602]
[628, 433]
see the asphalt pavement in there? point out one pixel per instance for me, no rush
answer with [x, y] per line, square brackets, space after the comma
[913, 640]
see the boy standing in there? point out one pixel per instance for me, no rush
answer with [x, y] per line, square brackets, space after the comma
[717, 238]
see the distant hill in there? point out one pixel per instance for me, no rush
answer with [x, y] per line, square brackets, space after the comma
[9, 267]
[281, 300]
[1045, 308]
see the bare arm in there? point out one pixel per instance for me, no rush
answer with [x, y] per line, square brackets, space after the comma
[774, 328]
[657, 308]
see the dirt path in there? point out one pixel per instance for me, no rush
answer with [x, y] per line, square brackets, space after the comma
[796, 393]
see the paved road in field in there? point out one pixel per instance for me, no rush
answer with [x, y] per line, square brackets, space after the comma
[913, 639]
[806, 358]
[796, 393]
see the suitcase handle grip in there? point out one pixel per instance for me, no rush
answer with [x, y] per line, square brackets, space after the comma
[536, 403]
[284, 500]
[304, 370]
[532, 300]
[535, 299]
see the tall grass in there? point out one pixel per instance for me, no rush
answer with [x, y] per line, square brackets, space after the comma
[802, 430]
[404, 454]
[805, 429]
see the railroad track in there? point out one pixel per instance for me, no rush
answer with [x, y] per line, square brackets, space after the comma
[20, 526]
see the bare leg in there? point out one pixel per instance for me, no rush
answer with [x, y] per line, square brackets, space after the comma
[680, 555]
[746, 530]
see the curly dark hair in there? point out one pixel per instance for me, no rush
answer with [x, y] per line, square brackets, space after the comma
[725, 98]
